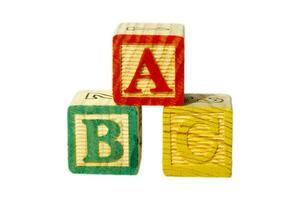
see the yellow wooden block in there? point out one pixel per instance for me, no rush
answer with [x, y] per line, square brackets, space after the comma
[197, 137]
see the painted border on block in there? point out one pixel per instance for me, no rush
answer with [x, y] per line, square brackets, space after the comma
[177, 41]
[133, 121]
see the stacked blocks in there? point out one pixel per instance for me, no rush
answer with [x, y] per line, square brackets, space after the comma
[148, 69]
[197, 137]
[148, 64]
[103, 137]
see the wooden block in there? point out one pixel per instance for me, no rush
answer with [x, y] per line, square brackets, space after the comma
[197, 137]
[148, 64]
[103, 138]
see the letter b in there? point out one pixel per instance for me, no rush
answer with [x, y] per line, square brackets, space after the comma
[110, 138]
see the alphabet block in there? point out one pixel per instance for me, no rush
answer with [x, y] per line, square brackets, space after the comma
[103, 138]
[197, 137]
[148, 64]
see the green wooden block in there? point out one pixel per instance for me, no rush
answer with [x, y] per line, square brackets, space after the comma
[103, 138]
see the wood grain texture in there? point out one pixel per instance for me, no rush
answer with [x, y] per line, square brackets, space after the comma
[98, 106]
[197, 137]
[166, 45]
[104, 149]
[165, 58]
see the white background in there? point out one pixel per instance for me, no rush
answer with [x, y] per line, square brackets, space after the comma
[51, 49]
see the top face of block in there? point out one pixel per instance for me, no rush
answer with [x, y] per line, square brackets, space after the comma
[93, 98]
[148, 64]
[150, 29]
[208, 100]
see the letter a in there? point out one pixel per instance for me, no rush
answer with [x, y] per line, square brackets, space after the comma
[148, 60]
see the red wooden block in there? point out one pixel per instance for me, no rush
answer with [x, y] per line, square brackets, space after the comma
[148, 64]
